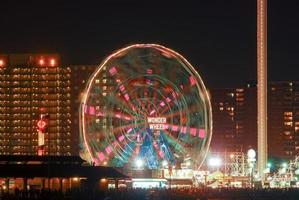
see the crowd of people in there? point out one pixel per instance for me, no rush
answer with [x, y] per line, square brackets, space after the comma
[158, 194]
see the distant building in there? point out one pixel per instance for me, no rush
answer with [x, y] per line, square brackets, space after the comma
[228, 105]
[79, 78]
[32, 87]
[283, 119]
[235, 119]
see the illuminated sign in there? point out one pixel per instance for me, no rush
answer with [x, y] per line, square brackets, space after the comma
[156, 123]
[41, 138]
[41, 124]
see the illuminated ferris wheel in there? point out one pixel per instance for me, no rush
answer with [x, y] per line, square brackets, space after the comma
[145, 104]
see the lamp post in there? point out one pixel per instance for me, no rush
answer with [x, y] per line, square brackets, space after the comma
[251, 162]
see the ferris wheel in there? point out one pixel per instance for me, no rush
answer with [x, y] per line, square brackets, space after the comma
[145, 106]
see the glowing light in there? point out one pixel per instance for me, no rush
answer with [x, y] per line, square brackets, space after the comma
[52, 62]
[192, 80]
[251, 154]
[41, 62]
[41, 124]
[175, 128]
[113, 71]
[121, 138]
[108, 150]
[126, 105]
[164, 163]
[184, 129]
[284, 165]
[269, 165]
[75, 179]
[202, 133]
[139, 163]
[215, 162]
[1, 63]
[193, 131]
[101, 156]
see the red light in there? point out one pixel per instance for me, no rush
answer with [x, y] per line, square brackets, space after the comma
[41, 124]
[1, 63]
[52, 62]
[41, 62]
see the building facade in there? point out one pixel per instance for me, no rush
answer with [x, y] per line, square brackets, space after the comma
[235, 119]
[35, 92]
[79, 78]
[283, 119]
[228, 119]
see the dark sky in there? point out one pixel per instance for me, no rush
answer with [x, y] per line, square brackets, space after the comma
[217, 36]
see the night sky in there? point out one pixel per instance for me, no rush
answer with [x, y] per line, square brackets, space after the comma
[217, 36]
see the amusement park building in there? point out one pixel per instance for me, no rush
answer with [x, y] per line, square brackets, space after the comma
[35, 92]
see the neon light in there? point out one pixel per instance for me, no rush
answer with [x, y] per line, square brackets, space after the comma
[152, 112]
[202, 133]
[175, 128]
[85, 119]
[41, 124]
[149, 71]
[128, 131]
[101, 156]
[184, 129]
[162, 104]
[127, 118]
[108, 150]
[122, 88]
[192, 80]
[126, 97]
[193, 131]
[112, 71]
[121, 138]
[161, 154]
[91, 110]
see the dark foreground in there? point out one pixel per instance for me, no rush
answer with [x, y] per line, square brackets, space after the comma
[161, 194]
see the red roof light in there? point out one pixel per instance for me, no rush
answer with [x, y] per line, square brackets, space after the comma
[1, 63]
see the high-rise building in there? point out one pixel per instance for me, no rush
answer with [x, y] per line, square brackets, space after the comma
[283, 119]
[228, 119]
[35, 94]
[79, 78]
[236, 129]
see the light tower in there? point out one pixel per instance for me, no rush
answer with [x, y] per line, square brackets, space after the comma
[262, 85]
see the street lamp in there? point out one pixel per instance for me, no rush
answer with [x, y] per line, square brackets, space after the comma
[251, 162]
[215, 162]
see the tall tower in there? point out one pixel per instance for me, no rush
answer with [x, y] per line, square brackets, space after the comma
[262, 84]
